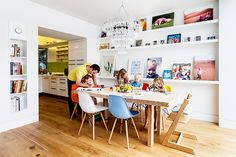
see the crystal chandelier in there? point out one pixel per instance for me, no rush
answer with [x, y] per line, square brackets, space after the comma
[121, 29]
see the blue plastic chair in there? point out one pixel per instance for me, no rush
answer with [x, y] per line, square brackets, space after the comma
[119, 109]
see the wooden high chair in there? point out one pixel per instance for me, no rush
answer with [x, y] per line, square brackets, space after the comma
[175, 117]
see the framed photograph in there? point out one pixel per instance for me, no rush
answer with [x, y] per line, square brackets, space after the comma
[181, 71]
[165, 20]
[136, 65]
[198, 14]
[174, 38]
[104, 46]
[167, 74]
[204, 67]
[107, 66]
[154, 67]
[138, 43]
[143, 23]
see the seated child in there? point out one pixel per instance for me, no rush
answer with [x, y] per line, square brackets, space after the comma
[88, 79]
[157, 86]
[121, 77]
[137, 81]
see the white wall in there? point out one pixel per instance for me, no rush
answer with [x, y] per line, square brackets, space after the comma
[205, 96]
[33, 16]
[227, 55]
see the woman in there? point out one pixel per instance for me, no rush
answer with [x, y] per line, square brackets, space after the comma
[121, 77]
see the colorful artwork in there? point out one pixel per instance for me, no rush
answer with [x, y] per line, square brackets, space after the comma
[204, 68]
[181, 71]
[135, 66]
[108, 63]
[165, 20]
[198, 15]
[143, 23]
[167, 74]
[173, 38]
[154, 67]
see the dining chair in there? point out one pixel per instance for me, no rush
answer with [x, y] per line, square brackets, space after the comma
[119, 109]
[75, 99]
[88, 107]
[176, 118]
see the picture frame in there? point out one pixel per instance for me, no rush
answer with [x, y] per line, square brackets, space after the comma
[104, 46]
[174, 38]
[138, 42]
[164, 20]
[107, 66]
[167, 74]
[181, 71]
[201, 14]
[153, 68]
[135, 66]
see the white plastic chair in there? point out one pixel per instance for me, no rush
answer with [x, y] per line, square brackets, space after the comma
[87, 105]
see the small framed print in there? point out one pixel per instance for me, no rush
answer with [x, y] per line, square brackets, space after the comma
[174, 38]
[138, 43]
[167, 74]
[136, 65]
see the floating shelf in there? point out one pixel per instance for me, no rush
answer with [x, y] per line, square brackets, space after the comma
[15, 94]
[172, 81]
[198, 24]
[15, 58]
[165, 45]
[17, 76]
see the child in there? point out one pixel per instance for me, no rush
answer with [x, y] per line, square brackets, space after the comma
[122, 77]
[88, 79]
[137, 81]
[157, 86]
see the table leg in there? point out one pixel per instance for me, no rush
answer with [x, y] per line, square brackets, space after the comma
[159, 120]
[150, 138]
[105, 113]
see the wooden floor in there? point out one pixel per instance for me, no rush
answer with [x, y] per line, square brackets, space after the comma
[55, 135]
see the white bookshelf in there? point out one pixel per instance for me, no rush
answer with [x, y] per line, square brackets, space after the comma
[18, 68]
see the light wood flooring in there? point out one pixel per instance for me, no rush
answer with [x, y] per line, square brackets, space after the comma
[56, 136]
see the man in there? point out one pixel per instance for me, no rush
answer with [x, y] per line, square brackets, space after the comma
[75, 76]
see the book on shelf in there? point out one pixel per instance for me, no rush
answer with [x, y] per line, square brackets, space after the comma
[16, 68]
[16, 50]
[18, 103]
[18, 86]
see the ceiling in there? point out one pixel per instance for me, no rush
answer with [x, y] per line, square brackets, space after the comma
[42, 40]
[98, 11]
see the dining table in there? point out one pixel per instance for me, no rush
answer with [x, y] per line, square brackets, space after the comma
[151, 99]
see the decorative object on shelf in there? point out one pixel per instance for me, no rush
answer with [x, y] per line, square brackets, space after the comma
[165, 20]
[138, 43]
[162, 41]
[204, 67]
[154, 67]
[154, 42]
[108, 64]
[16, 50]
[167, 74]
[136, 65]
[198, 14]
[104, 46]
[143, 23]
[211, 37]
[112, 47]
[181, 71]
[174, 38]
[187, 39]
[121, 29]
[103, 34]
[198, 38]
[147, 44]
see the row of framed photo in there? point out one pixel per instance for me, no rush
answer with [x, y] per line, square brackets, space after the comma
[167, 20]
[203, 68]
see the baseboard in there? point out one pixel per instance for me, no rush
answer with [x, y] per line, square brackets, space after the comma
[205, 117]
[224, 123]
[18, 123]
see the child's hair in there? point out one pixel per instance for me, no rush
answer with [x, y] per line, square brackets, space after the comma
[158, 79]
[138, 75]
[120, 75]
[86, 77]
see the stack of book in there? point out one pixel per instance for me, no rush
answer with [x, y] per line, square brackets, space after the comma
[16, 68]
[18, 104]
[15, 50]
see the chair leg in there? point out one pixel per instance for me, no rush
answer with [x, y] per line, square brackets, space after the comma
[82, 124]
[132, 106]
[127, 133]
[93, 119]
[112, 130]
[163, 122]
[121, 125]
[135, 127]
[75, 107]
[104, 121]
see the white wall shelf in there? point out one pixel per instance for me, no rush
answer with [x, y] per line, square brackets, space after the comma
[18, 76]
[16, 94]
[172, 81]
[166, 45]
[215, 21]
